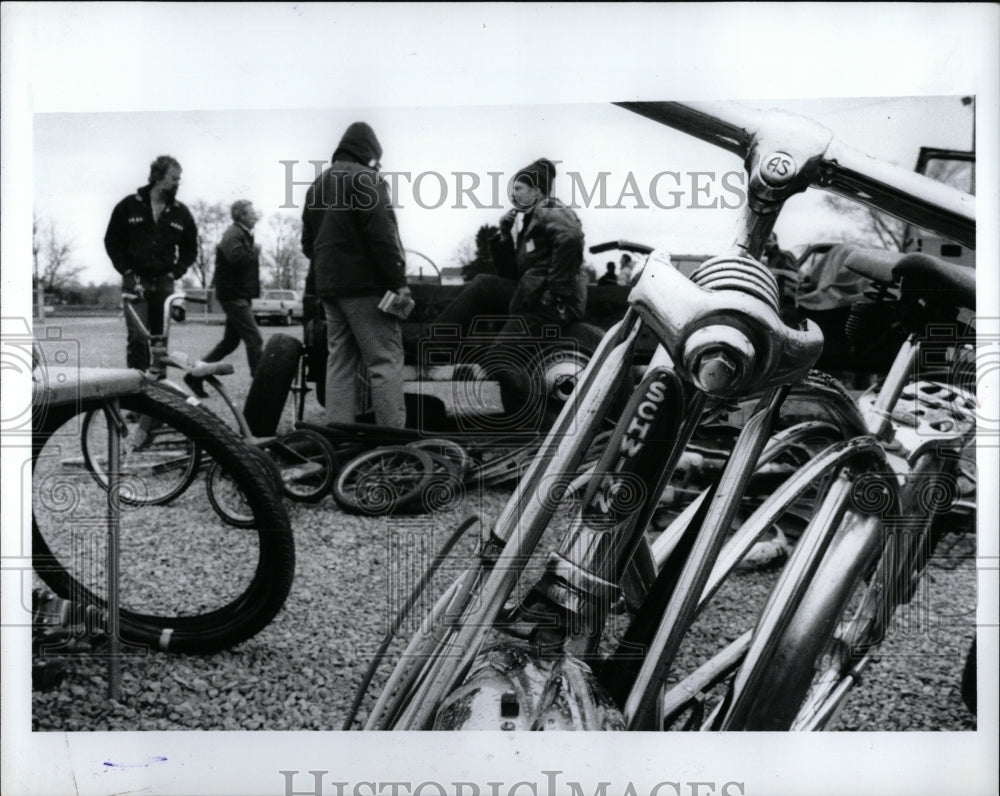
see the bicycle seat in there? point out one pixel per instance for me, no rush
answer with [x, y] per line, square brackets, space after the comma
[198, 369]
[919, 271]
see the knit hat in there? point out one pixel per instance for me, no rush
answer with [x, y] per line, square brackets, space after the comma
[539, 174]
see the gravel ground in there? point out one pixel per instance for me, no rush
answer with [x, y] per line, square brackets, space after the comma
[300, 673]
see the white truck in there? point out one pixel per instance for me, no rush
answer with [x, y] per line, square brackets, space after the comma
[278, 306]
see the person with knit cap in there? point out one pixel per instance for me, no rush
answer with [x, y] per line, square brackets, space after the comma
[539, 283]
[350, 235]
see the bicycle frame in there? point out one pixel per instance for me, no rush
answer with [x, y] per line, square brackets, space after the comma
[720, 338]
[160, 359]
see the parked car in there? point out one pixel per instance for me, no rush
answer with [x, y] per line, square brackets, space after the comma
[278, 306]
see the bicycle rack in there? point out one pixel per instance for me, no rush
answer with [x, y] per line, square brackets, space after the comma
[70, 386]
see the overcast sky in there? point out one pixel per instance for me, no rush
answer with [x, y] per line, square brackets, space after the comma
[454, 164]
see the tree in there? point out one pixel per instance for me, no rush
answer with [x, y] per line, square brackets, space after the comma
[872, 226]
[283, 258]
[52, 255]
[212, 219]
[478, 260]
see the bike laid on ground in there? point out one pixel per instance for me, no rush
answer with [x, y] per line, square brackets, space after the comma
[593, 636]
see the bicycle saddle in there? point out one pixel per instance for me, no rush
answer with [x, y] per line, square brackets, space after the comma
[919, 271]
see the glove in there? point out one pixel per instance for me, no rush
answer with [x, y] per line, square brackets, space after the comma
[507, 221]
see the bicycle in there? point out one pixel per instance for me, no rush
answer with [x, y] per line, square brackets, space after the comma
[302, 463]
[496, 653]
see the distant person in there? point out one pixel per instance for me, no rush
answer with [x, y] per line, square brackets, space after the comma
[236, 283]
[785, 268]
[349, 233]
[610, 277]
[152, 240]
[625, 270]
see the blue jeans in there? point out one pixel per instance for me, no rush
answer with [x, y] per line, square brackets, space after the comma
[357, 332]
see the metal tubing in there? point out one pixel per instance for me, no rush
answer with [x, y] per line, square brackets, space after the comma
[641, 703]
[527, 513]
[113, 418]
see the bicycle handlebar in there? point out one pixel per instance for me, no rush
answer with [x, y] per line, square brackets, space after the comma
[623, 245]
[173, 298]
[784, 152]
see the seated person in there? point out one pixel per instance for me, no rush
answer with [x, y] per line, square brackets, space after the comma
[540, 282]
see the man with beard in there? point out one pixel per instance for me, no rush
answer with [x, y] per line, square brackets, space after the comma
[152, 240]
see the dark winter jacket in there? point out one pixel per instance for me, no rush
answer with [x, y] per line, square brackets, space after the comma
[547, 260]
[349, 228]
[157, 252]
[237, 267]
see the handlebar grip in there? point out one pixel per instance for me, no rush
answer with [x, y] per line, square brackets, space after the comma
[624, 245]
[196, 299]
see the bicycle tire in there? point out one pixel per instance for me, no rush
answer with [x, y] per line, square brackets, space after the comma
[227, 497]
[272, 382]
[450, 450]
[169, 599]
[969, 686]
[385, 480]
[306, 463]
[166, 466]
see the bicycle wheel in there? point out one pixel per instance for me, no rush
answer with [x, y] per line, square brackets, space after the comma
[188, 582]
[279, 362]
[306, 463]
[383, 481]
[154, 454]
[873, 564]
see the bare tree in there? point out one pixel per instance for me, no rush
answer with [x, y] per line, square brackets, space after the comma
[282, 257]
[212, 219]
[52, 254]
[872, 226]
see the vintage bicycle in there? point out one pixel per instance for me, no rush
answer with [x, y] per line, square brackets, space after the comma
[503, 648]
[301, 461]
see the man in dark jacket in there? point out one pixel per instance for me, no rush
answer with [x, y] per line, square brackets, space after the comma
[349, 233]
[237, 283]
[152, 241]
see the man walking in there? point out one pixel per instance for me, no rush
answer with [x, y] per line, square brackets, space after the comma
[152, 241]
[237, 283]
[349, 233]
